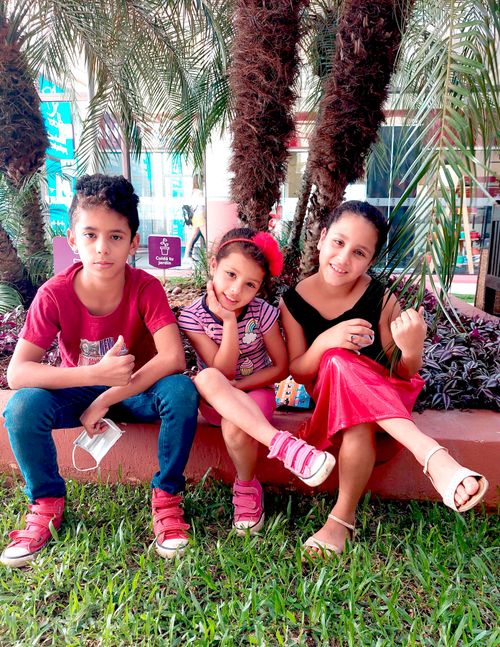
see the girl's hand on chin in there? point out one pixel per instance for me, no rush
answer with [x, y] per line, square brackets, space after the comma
[214, 305]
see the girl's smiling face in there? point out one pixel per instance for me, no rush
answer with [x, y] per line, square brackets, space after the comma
[347, 248]
[236, 280]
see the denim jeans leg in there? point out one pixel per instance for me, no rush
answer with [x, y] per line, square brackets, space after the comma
[30, 417]
[174, 401]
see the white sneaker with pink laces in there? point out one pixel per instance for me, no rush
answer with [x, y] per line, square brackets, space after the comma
[305, 461]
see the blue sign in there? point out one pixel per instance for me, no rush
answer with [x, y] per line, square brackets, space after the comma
[60, 162]
[59, 127]
[47, 87]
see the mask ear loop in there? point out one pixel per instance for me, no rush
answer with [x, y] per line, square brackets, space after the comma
[82, 469]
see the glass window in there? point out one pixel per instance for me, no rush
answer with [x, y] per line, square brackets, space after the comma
[164, 183]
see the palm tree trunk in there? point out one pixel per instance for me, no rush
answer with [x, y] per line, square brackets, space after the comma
[264, 67]
[292, 249]
[33, 220]
[316, 216]
[351, 110]
[301, 208]
[23, 142]
[11, 268]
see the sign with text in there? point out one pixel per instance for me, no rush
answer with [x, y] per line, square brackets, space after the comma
[59, 126]
[164, 251]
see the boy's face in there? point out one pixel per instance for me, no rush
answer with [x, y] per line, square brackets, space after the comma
[102, 238]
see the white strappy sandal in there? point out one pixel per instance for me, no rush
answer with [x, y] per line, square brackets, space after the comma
[325, 548]
[461, 473]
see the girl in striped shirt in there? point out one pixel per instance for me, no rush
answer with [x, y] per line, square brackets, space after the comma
[241, 354]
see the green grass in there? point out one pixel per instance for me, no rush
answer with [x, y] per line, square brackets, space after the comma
[468, 298]
[416, 574]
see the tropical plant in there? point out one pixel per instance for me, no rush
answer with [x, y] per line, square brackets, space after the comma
[448, 84]
[9, 298]
[351, 109]
[133, 55]
[318, 46]
[23, 142]
[30, 267]
[461, 363]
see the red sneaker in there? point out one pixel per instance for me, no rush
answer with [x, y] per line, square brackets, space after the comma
[305, 461]
[168, 524]
[248, 504]
[29, 541]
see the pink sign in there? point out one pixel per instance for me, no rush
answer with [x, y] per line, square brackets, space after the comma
[164, 251]
[63, 254]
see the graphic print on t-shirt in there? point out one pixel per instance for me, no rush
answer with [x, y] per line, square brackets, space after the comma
[249, 335]
[91, 352]
[246, 366]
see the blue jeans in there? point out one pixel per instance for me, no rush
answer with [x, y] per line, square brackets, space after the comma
[33, 413]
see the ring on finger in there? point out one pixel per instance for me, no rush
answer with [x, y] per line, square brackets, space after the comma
[352, 339]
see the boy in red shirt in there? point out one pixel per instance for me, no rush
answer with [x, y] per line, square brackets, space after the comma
[121, 356]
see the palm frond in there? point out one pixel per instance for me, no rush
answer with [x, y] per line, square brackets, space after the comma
[139, 57]
[447, 83]
[9, 298]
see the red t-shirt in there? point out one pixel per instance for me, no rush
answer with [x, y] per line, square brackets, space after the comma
[85, 338]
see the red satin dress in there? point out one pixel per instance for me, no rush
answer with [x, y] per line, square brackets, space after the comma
[352, 389]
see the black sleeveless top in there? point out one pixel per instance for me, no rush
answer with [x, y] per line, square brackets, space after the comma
[368, 306]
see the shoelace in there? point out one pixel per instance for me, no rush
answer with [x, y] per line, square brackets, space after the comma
[294, 452]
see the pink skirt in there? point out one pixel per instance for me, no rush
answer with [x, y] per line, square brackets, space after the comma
[353, 389]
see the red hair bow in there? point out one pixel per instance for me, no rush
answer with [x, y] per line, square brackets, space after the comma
[270, 248]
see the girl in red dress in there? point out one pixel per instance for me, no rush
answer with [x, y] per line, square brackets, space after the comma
[342, 328]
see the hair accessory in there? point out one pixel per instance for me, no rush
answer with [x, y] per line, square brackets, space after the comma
[267, 245]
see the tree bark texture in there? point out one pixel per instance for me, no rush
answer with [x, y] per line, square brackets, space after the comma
[351, 110]
[292, 250]
[264, 65]
[23, 142]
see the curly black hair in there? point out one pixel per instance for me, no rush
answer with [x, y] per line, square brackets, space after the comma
[367, 211]
[112, 191]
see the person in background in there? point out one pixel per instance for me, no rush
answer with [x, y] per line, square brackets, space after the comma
[198, 222]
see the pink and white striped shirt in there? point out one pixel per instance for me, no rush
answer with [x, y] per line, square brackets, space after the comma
[254, 322]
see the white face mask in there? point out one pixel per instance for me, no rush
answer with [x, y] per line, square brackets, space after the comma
[99, 445]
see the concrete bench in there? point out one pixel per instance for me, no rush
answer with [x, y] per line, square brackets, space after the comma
[472, 437]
